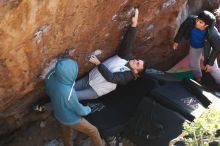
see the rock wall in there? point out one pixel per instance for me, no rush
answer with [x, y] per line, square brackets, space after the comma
[33, 32]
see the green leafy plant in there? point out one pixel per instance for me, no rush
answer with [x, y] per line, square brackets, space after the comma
[203, 129]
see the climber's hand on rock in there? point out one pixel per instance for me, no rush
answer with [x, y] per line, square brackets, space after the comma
[93, 59]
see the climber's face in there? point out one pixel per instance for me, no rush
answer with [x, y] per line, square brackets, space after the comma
[136, 65]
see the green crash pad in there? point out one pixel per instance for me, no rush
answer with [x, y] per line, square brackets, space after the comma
[187, 74]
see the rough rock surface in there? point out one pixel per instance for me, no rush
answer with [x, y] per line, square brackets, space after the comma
[32, 33]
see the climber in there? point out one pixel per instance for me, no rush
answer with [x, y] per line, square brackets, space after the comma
[118, 69]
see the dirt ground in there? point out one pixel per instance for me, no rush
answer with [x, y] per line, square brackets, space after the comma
[47, 133]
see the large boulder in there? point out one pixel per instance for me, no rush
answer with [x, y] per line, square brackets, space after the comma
[35, 32]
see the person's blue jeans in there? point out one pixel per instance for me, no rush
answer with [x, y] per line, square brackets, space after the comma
[83, 90]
